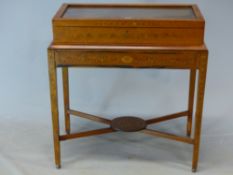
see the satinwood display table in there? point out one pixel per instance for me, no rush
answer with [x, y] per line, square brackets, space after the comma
[128, 36]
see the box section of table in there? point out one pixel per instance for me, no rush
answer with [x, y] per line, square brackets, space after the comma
[156, 25]
[128, 57]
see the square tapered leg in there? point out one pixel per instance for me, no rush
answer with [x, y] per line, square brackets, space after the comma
[199, 108]
[54, 106]
[192, 82]
[65, 77]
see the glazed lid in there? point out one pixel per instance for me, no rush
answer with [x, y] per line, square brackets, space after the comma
[130, 15]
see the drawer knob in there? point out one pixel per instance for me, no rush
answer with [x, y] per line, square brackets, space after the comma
[127, 59]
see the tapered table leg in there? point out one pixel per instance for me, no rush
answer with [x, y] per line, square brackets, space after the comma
[192, 82]
[65, 76]
[54, 106]
[199, 108]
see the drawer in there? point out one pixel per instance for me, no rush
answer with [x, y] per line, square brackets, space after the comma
[125, 59]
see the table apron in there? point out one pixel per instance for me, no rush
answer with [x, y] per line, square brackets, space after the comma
[124, 59]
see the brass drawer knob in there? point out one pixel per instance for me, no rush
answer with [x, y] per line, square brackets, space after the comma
[127, 59]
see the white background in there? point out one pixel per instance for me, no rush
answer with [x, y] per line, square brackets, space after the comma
[25, 127]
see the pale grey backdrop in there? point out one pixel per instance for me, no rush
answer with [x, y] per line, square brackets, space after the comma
[25, 127]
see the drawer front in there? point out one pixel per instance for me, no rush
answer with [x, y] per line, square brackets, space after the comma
[128, 36]
[125, 59]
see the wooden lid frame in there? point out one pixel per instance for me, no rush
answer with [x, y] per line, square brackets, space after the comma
[197, 22]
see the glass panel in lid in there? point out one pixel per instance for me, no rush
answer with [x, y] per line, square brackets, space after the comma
[129, 12]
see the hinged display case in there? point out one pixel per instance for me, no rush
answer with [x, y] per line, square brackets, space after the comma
[153, 25]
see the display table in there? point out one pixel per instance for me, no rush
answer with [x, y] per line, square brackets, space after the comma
[128, 36]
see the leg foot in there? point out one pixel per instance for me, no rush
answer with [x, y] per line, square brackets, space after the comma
[194, 170]
[58, 166]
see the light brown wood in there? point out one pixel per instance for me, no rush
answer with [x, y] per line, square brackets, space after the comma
[192, 82]
[54, 106]
[199, 22]
[193, 49]
[198, 12]
[166, 117]
[128, 43]
[86, 133]
[109, 36]
[65, 76]
[168, 136]
[89, 117]
[203, 59]
[61, 11]
[116, 58]
[140, 31]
